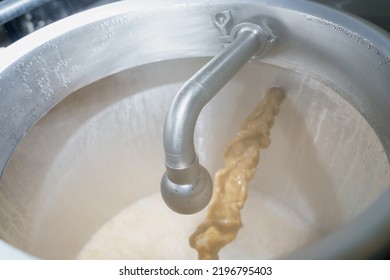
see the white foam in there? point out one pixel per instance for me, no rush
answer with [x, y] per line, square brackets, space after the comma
[147, 229]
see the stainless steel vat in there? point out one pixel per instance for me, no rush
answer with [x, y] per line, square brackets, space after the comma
[124, 62]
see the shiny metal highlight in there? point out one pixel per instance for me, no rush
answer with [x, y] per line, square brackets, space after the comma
[186, 187]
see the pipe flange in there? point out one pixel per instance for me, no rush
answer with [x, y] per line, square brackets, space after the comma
[223, 20]
[266, 37]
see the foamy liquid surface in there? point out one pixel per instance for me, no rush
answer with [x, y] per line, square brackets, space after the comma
[147, 229]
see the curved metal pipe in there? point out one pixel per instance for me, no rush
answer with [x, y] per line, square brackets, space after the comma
[10, 9]
[186, 186]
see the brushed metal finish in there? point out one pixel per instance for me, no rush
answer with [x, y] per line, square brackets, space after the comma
[187, 186]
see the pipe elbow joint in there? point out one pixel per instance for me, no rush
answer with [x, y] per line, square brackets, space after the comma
[186, 186]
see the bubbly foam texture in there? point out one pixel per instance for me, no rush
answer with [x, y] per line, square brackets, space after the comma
[147, 229]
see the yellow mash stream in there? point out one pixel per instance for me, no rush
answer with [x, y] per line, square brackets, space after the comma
[241, 157]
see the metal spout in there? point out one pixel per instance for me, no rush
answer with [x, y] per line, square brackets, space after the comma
[186, 186]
